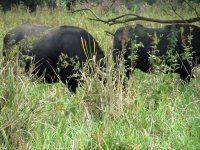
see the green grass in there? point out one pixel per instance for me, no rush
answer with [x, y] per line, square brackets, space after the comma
[154, 111]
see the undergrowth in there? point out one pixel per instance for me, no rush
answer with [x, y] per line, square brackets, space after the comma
[148, 111]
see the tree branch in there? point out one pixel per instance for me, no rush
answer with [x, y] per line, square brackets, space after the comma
[110, 33]
[197, 13]
[87, 9]
[137, 17]
[134, 17]
[174, 10]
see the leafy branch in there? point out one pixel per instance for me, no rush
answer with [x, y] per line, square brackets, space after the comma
[134, 17]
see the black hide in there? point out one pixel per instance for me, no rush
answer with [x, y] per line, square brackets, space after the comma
[126, 35]
[57, 53]
[16, 35]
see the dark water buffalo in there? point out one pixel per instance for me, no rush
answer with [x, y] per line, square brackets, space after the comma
[172, 39]
[55, 52]
[16, 35]
[60, 53]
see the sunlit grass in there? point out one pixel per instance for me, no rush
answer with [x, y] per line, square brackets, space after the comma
[153, 111]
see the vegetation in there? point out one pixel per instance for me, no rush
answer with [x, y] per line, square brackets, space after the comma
[32, 4]
[148, 111]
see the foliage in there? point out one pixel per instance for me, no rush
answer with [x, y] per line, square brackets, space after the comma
[130, 4]
[147, 111]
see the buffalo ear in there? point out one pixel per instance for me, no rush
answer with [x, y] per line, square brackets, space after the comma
[140, 30]
[139, 26]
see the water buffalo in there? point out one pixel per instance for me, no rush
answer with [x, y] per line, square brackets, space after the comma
[178, 40]
[16, 35]
[60, 53]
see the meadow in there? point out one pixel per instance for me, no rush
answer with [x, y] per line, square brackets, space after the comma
[153, 111]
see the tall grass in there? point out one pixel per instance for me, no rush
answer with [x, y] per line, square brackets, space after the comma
[148, 111]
